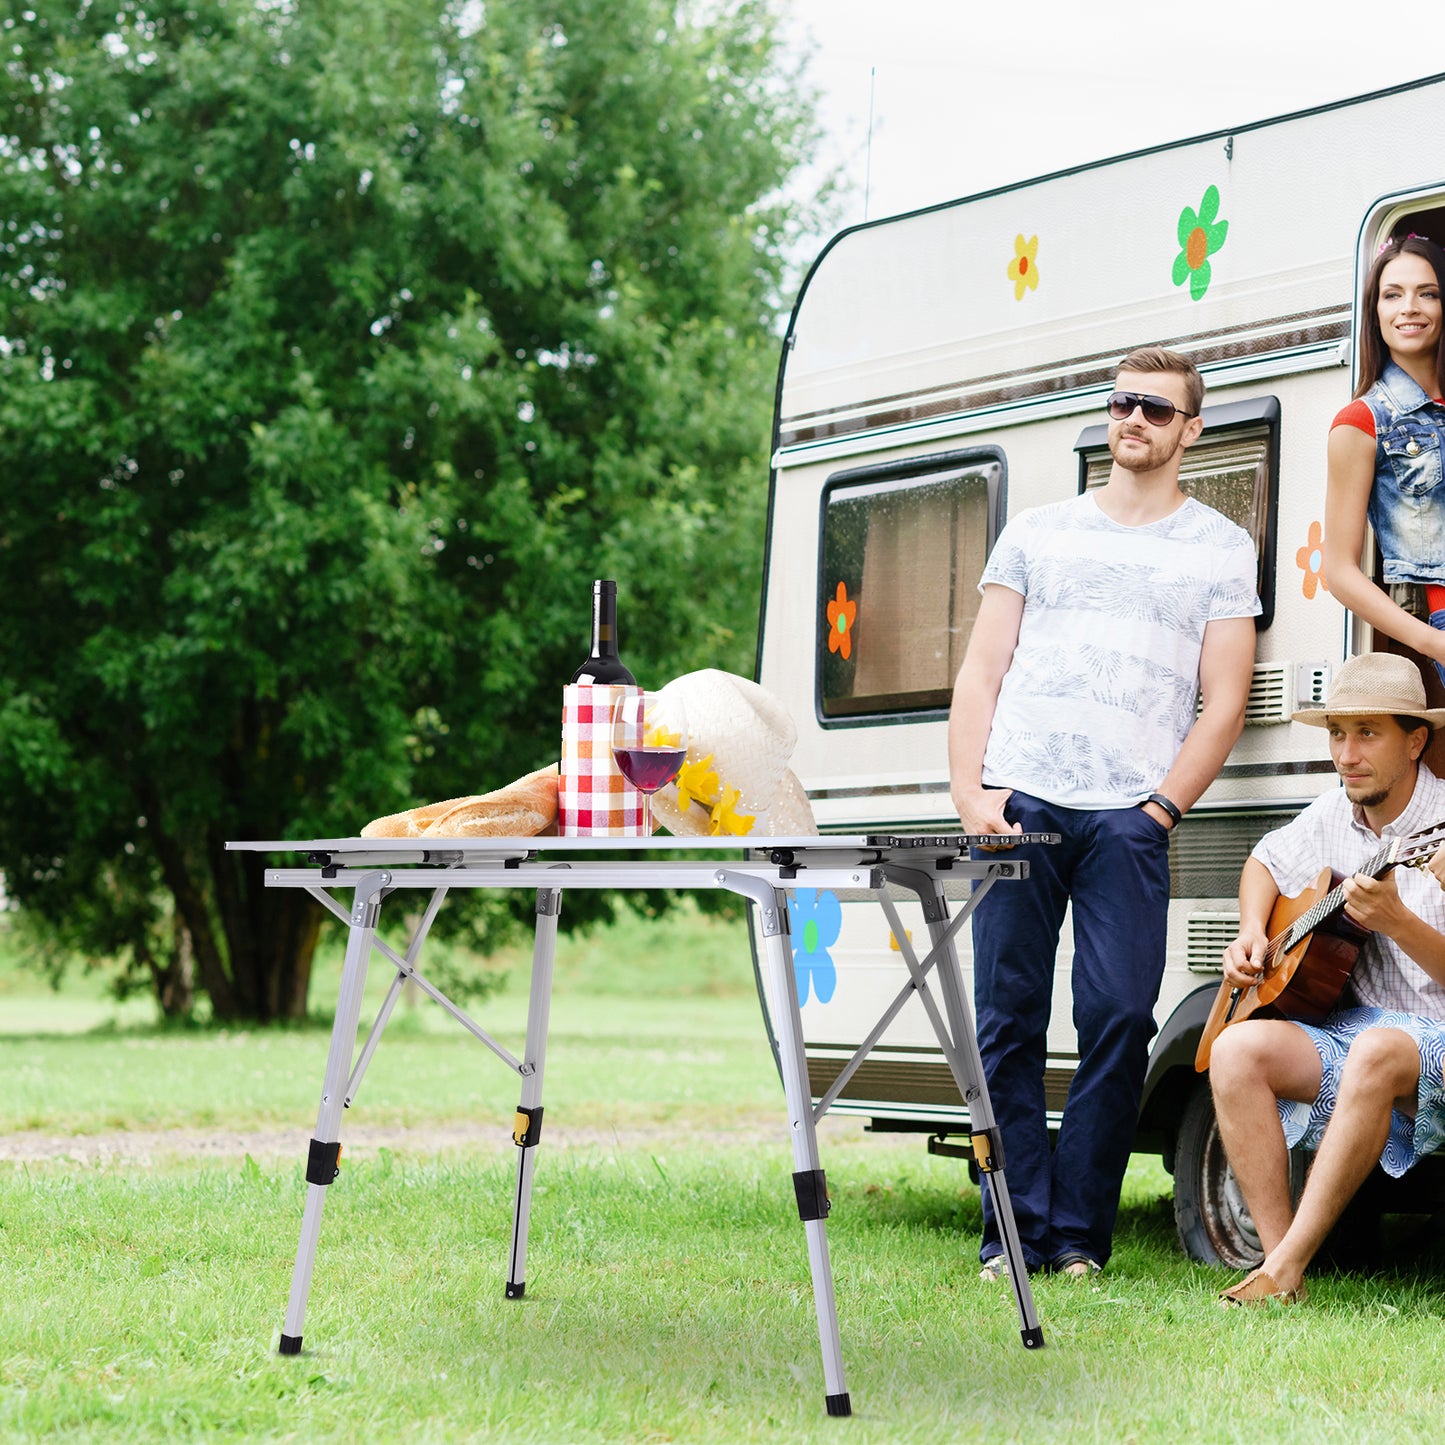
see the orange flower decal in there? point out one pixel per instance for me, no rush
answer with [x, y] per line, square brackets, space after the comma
[1311, 560]
[1023, 270]
[842, 613]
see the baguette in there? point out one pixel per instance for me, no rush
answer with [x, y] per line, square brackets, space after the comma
[521, 809]
[411, 824]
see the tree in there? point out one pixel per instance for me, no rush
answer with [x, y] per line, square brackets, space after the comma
[341, 345]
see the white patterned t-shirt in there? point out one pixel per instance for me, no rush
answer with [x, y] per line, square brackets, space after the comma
[1104, 681]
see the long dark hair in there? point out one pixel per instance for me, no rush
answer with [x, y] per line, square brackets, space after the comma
[1373, 351]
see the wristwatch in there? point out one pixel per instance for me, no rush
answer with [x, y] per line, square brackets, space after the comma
[1169, 806]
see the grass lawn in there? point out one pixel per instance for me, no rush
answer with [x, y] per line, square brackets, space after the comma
[151, 1191]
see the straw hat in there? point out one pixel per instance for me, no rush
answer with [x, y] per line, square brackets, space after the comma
[1372, 685]
[736, 780]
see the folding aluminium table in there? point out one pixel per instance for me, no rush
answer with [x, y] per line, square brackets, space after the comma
[762, 872]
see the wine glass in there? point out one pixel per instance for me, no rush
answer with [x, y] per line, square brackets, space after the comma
[649, 742]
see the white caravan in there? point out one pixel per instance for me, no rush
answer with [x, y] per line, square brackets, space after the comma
[946, 369]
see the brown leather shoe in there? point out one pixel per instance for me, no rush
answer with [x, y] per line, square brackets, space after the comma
[1258, 1288]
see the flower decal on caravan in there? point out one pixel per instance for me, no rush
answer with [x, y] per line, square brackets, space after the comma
[842, 614]
[1201, 234]
[816, 918]
[1023, 270]
[1311, 561]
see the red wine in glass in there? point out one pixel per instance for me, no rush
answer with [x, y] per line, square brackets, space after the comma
[649, 742]
[647, 769]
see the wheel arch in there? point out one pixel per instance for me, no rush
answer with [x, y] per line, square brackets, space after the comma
[1171, 1076]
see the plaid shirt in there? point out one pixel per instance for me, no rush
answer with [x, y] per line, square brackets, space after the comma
[1332, 831]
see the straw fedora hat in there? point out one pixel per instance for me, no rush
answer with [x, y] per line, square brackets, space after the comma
[1371, 685]
[735, 780]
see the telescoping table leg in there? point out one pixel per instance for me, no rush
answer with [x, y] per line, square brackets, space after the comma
[322, 1164]
[966, 1065]
[808, 1181]
[527, 1126]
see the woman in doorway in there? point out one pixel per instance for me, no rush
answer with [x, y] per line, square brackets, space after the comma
[1385, 452]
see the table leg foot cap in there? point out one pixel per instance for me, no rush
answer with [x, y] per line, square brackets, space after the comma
[516, 1291]
[838, 1404]
[290, 1344]
[1034, 1338]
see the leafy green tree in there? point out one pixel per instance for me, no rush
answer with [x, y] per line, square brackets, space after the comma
[341, 345]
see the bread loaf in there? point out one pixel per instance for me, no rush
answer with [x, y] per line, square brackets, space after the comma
[411, 824]
[522, 809]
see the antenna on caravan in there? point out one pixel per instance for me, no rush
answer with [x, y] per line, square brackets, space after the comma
[868, 154]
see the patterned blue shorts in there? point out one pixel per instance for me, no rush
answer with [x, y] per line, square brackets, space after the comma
[1409, 1139]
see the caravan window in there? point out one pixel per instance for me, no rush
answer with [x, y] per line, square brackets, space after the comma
[1233, 467]
[903, 547]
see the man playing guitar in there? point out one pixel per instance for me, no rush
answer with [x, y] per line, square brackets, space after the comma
[1366, 1083]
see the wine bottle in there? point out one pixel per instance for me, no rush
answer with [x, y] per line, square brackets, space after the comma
[604, 666]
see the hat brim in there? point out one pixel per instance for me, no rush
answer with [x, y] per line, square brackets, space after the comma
[1318, 717]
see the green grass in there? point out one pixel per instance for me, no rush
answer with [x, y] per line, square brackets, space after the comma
[668, 1294]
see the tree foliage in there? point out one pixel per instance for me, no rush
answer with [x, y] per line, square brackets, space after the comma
[341, 345]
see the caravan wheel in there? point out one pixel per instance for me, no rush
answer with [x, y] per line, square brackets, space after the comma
[1210, 1214]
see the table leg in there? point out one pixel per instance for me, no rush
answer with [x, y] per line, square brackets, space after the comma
[527, 1126]
[809, 1183]
[322, 1164]
[966, 1066]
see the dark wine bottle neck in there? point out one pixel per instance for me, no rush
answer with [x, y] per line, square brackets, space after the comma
[603, 666]
[604, 623]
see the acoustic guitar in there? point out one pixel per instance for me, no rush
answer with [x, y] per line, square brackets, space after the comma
[1313, 946]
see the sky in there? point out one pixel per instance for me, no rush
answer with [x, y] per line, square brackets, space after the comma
[967, 96]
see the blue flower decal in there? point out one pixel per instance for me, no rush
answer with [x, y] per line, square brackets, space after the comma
[817, 920]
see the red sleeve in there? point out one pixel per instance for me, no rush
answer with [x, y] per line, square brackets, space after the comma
[1356, 414]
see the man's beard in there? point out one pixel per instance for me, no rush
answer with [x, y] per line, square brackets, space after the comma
[1155, 457]
[1368, 800]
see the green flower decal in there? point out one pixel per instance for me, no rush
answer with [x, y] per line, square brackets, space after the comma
[1201, 234]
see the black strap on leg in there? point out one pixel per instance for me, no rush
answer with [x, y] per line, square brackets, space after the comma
[527, 1126]
[811, 1187]
[323, 1162]
[987, 1150]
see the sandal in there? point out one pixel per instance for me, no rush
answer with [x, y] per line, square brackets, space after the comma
[995, 1268]
[1258, 1288]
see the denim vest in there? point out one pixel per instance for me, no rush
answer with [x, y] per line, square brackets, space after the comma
[1407, 502]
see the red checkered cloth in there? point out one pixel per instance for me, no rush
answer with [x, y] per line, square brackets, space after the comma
[593, 798]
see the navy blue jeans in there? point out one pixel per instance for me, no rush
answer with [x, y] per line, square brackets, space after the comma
[1113, 865]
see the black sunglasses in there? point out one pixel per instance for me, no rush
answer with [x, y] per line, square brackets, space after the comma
[1158, 410]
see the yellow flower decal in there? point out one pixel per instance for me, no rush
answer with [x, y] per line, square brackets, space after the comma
[1023, 270]
[726, 820]
[696, 781]
[1311, 561]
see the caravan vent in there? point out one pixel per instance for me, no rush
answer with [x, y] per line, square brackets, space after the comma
[1269, 696]
[1207, 852]
[1209, 935]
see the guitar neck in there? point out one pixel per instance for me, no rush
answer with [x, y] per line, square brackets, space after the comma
[1387, 858]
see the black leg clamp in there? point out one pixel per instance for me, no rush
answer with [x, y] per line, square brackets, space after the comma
[323, 1162]
[987, 1150]
[812, 1190]
[527, 1127]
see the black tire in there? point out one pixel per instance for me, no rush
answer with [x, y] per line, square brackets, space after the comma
[1209, 1210]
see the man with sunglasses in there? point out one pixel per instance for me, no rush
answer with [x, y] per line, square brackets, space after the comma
[1103, 618]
